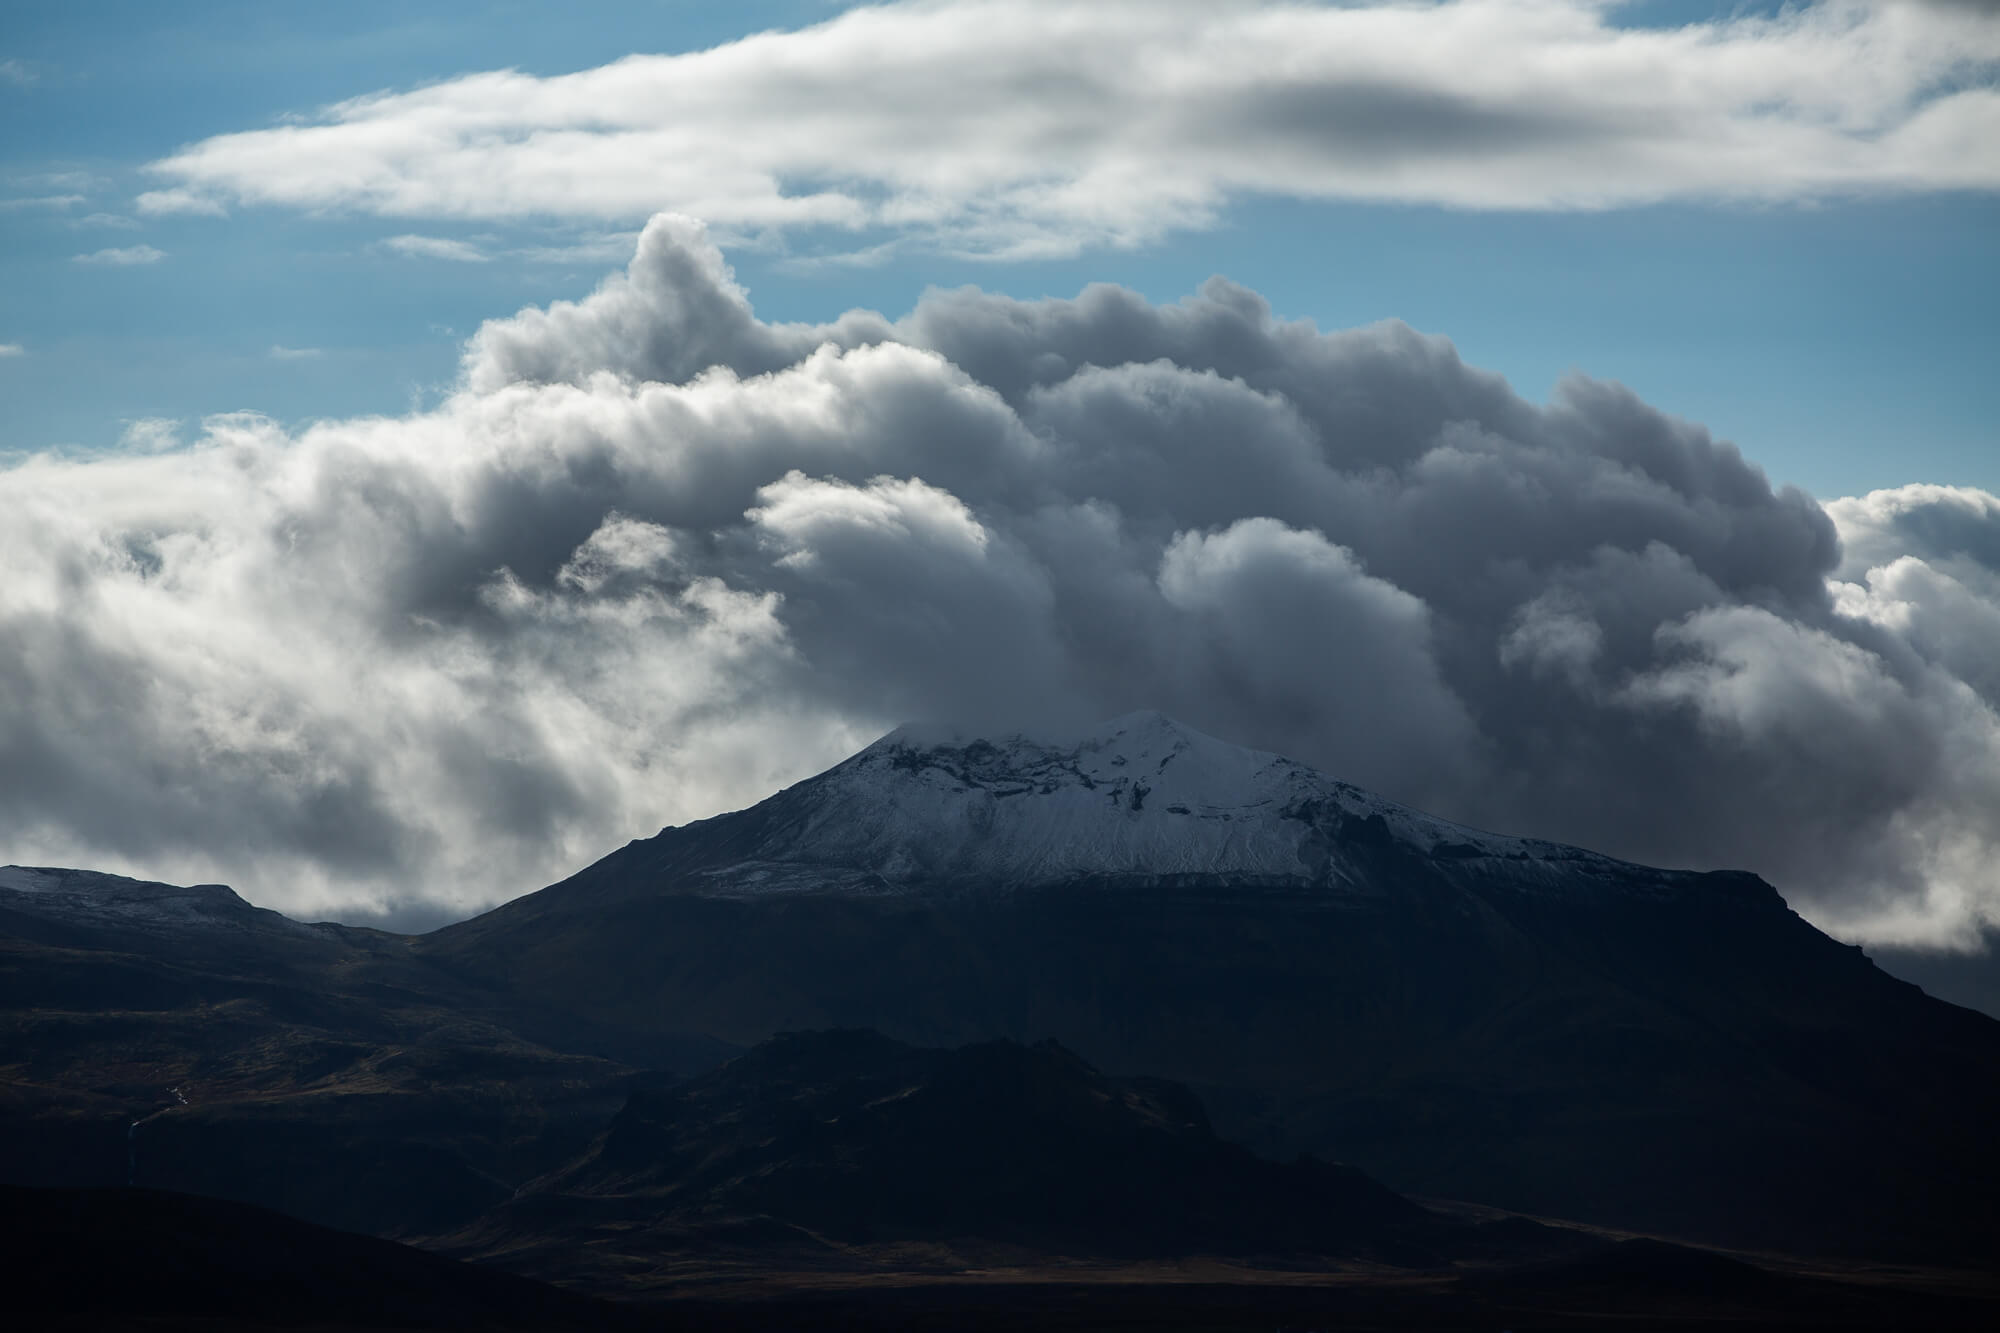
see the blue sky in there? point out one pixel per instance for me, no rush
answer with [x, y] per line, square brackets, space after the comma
[1845, 342]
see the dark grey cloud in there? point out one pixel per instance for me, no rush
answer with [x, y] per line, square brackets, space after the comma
[1386, 122]
[658, 557]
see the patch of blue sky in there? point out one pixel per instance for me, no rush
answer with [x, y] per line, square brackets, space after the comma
[108, 85]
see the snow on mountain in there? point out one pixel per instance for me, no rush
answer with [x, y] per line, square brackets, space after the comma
[926, 809]
[1141, 796]
[89, 898]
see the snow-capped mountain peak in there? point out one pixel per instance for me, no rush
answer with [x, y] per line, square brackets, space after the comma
[1140, 797]
[1127, 760]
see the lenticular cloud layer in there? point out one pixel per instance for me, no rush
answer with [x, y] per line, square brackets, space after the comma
[656, 558]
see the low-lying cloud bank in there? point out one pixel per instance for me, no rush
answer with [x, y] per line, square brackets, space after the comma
[656, 558]
[1127, 119]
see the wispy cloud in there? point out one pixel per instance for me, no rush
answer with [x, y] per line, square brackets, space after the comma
[603, 248]
[1124, 120]
[77, 181]
[436, 247]
[12, 349]
[117, 221]
[279, 352]
[19, 74]
[873, 256]
[150, 435]
[122, 257]
[49, 201]
[167, 203]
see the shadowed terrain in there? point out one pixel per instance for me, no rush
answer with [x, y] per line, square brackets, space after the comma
[1074, 1034]
[835, 1149]
[143, 1259]
[1460, 1016]
[181, 1039]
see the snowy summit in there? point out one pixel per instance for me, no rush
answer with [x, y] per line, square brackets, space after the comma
[1139, 797]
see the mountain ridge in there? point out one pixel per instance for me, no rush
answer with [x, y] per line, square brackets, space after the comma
[1140, 796]
[1459, 1014]
[1555, 1032]
[820, 1145]
[95, 899]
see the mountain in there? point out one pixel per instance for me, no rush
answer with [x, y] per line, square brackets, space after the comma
[829, 1145]
[82, 905]
[1456, 1013]
[1140, 800]
[1459, 1014]
[179, 1038]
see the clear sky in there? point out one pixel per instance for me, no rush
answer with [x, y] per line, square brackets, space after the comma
[1843, 339]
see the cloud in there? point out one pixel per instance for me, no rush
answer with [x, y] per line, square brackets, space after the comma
[1126, 120]
[113, 220]
[600, 248]
[18, 73]
[81, 181]
[171, 203]
[48, 201]
[151, 435]
[122, 257]
[1282, 628]
[437, 247]
[279, 352]
[12, 349]
[656, 557]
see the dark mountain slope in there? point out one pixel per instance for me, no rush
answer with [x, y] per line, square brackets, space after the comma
[830, 1140]
[1458, 1014]
[181, 1039]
